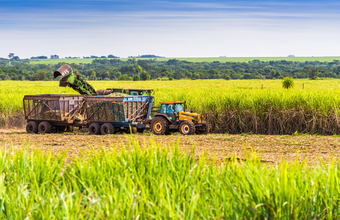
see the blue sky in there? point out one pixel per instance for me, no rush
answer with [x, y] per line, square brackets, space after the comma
[169, 28]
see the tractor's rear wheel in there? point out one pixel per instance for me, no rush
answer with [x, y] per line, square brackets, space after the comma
[187, 128]
[107, 128]
[44, 127]
[94, 129]
[32, 127]
[160, 126]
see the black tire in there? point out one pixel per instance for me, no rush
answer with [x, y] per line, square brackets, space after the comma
[106, 129]
[134, 130]
[69, 128]
[94, 129]
[160, 126]
[187, 128]
[140, 130]
[32, 127]
[60, 129]
[204, 130]
[44, 127]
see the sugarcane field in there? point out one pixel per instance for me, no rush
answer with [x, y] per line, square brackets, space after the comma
[235, 128]
[169, 110]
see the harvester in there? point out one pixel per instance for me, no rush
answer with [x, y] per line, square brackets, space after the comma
[76, 82]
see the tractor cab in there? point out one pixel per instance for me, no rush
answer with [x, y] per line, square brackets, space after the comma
[172, 109]
[171, 116]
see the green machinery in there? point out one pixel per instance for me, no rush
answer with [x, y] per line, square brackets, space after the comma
[75, 81]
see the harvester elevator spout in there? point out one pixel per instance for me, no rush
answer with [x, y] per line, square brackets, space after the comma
[73, 80]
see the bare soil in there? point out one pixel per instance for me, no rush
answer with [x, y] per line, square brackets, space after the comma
[271, 148]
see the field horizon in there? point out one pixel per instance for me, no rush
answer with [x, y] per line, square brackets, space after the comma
[194, 59]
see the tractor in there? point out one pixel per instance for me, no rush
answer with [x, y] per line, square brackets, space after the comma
[171, 116]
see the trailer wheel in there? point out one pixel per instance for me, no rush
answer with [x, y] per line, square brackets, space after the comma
[134, 130]
[32, 127]
[140, 130]
[160, 126]
[44, 127]
[107, 128]
[187, 128]
[94, 129]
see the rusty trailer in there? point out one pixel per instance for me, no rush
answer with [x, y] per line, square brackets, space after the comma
[101, 114]
[48, 113]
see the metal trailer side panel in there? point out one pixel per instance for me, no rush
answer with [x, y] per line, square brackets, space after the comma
[128, 111]
[58, 109]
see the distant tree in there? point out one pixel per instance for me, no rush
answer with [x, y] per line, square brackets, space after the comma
[15, 58]
[145, 76]
[118, 75]
[10, 55]
[247, 76]
[227, 77]
[39, 76]
[136, 78]
[111, 56]
[236, 76]
[139, 69]
[124, 77]
[313, 72]
[54, 56]
[336, 70]
[93, 74]
[288, 83]
[272, 73]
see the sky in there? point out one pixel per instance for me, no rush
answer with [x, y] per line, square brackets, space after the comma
[173, 28]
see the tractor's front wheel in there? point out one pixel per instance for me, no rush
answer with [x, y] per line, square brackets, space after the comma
[187, 128]
[160, 126]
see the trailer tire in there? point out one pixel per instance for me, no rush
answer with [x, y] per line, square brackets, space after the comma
[94, 129]
[106, 129]
[32, 127]
[44, 127]
[140, 130]
[160, 126]
[187, 128]
[134, 130]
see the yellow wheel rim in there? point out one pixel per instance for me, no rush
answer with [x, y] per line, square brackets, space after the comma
[158, 126]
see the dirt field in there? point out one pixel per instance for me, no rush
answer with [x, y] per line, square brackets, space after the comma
[270, 148]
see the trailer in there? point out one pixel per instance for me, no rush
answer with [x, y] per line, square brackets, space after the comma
[101, 114]
[110, 114]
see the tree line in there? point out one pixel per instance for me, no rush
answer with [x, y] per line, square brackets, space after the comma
[151, 69]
